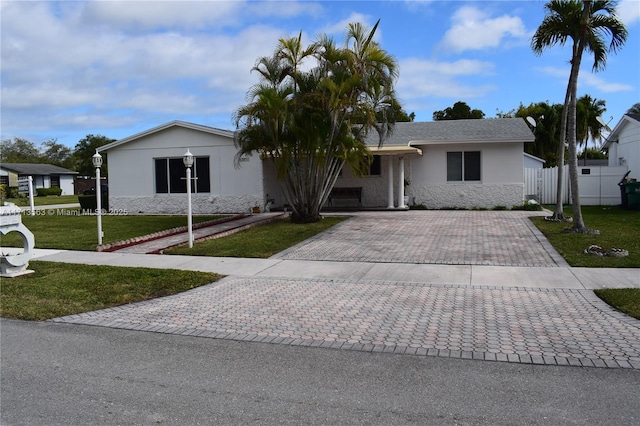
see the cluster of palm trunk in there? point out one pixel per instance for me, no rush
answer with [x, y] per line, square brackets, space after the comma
[313, 109]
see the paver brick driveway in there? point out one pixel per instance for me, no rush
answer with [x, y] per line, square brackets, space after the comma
[437, 237]
[539, 325]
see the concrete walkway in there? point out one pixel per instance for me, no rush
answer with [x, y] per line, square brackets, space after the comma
[452, 284]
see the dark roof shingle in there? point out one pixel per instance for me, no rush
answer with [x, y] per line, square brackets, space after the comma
[36, 169]
[458, 131]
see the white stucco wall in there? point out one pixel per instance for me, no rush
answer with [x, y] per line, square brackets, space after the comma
[626, 152]
[132, 175]
[502, 181]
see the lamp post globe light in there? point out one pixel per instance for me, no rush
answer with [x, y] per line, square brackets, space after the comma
[187, 159]
[97, 162]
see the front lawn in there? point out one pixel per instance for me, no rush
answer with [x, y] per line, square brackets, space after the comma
[44, 201]
[618, 228]
[260, 241]
[67, 230]
[626, 300]
[59, 289]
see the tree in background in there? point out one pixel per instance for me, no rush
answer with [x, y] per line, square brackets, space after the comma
[585, 24]
[57, 154]
[546, 131]
[588, 126]
[635, 109]
[312, 111]
[19, 151]
[83, 152]
[459, 111]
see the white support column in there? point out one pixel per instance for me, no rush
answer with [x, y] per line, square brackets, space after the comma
[390, 183]
[401, 183]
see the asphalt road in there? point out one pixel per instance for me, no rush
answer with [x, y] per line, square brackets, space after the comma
[79, 375]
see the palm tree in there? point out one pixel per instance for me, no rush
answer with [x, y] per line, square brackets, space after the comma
[588, 127]
[311, 120]
[586, 23]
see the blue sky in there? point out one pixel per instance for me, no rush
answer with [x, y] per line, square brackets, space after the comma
[117, 68]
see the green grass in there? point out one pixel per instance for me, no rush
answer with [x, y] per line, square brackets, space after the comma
[58, 289]
[618, 228]
[68, 232]
[259, 242]
[44, 201]
[626, 300]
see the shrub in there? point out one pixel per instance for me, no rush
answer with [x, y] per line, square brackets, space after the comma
[90, 202]
[12, 192]
[43, 192]
[530, 206]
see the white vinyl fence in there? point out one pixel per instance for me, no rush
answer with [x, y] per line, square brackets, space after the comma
[598, 185]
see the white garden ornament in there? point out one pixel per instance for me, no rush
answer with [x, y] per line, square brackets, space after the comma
[15, 264]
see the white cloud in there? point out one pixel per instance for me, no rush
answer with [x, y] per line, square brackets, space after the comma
[338, 29]
[54, 65]
[146, 15]
[474, 29]
[629, 11]
[588, 79]
[600, 84]
[421, 78]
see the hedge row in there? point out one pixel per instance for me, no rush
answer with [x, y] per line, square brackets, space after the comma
[90, 202]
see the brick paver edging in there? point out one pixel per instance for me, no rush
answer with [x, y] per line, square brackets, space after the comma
[162, 234]
[522, 325]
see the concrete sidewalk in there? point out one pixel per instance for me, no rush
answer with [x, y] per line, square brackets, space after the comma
[469, 275]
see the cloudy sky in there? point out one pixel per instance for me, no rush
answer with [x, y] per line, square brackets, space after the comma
[116, 68]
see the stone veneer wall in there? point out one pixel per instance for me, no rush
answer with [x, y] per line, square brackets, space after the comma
[467, 196]
[176, 204]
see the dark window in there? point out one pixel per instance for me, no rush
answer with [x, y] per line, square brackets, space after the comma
[170, 174]
[472, 165]
[463, 166]
[162, 176]
[454, 166]
[4, 180]
[177, 176]
[55, 181]
[203, 183]
[375, 167]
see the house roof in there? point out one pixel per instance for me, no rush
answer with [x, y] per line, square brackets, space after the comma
[175, 123]
[457, 131]
[533, 157]
[624, 121]
[36, 169]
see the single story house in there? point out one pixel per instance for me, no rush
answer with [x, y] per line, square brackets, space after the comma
[447, 164]
[43, 175]
[441, 164]
[623, 144]
[147, 175]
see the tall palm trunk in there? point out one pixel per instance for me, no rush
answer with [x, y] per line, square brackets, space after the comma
[558, 215]
[578, 221]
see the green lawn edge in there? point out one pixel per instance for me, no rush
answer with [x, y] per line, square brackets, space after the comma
[60, 289]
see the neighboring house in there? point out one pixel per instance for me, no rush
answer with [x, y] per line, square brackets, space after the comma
[441, 164]
[533, 162]
[623, 144]
[447, 164]
[147, 175]
[43, 175]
